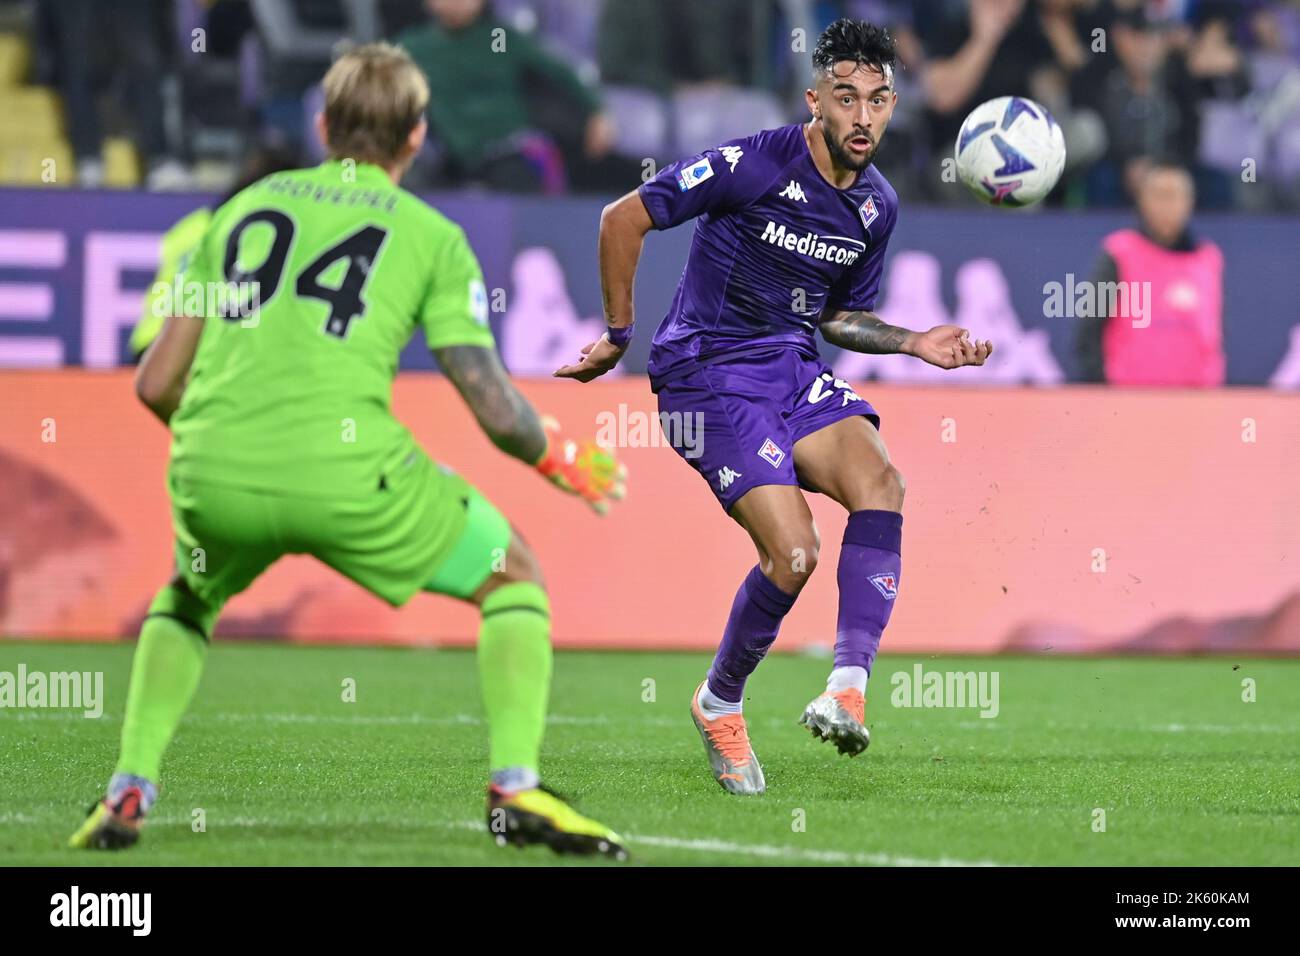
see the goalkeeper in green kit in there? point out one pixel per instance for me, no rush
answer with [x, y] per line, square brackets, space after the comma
[276, 389]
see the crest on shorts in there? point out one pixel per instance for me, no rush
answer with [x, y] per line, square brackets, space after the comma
[772, 453]
[886, 584]
[868, 212]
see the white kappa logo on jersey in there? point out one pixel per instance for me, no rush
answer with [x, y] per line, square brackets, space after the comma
[732, 155]
[794, 191]
[725, 477]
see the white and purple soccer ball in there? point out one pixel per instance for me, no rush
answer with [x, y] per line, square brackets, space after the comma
[1010, 152]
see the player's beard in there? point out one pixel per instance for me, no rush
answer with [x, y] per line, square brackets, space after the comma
[842, 156]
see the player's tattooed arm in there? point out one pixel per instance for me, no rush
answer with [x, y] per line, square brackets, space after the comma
[504, 415]
[946, 346]
[864, 332]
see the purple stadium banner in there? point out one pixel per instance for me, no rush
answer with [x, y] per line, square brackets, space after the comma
[74, 267]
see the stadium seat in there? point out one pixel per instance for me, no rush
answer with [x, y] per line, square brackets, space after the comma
[641, 119]
[1287, 152]
[121, 163]
[15, 57]
[31, 113]
[1229, 131]
[707, 117]
[25, 163]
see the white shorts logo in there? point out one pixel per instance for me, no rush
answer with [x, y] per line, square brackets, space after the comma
[820, 392]
[725, 477]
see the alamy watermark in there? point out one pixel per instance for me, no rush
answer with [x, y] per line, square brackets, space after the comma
[1086, 299]
[629, 428]
[229, 300]
[922, 688]
[74, 690]
[133, 911]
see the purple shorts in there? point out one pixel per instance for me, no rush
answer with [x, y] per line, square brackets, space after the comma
[736, 422]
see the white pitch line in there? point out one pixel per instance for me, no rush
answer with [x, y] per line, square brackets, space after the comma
[474, 720]
[812, 856]
[769, 852]
[724, 847]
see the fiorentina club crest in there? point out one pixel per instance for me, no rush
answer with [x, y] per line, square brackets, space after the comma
[886, 584]
[772, 453]
[868, 212]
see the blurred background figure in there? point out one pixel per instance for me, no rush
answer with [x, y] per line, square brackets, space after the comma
[1168, 330]
[106, 60]
[1152, 92]
[506, 113]
[988, 48]
[589, 96]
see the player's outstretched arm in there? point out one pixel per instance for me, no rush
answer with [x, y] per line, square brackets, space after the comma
[580, 468]
[160, 379]
[623, 227]
[947, 346]
[505, 416]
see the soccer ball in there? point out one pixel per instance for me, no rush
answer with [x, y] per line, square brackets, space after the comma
[1010, 152]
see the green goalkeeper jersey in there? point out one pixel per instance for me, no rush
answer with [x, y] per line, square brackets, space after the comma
[310, 283]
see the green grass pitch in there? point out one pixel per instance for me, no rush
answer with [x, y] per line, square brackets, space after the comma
[285, 772]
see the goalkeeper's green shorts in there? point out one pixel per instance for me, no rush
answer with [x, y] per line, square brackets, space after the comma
[426, 529]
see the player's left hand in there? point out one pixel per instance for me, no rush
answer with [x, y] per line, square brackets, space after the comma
[597, 359]
[949, 346]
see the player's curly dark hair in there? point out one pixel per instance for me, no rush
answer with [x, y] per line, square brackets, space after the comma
[848, 39]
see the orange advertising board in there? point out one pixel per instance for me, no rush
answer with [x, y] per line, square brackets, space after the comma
[1072, 520]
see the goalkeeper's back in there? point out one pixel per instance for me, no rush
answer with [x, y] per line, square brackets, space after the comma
[310, 283]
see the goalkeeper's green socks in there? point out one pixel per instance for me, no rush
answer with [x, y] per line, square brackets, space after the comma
[165, 672]
[514, 657]
[514, 661]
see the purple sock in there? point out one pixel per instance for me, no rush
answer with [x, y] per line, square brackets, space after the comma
[755, 618]
[868, 577]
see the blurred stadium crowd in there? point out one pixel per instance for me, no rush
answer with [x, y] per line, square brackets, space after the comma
[554, 96]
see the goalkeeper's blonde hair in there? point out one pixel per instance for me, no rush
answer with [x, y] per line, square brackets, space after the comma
[374, 96]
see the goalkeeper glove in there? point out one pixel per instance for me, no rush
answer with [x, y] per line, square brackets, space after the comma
[582, 468]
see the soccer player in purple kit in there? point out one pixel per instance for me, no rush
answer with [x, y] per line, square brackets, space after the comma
[791, 235]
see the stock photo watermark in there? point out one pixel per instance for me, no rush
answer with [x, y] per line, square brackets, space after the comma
[630, 428]
[229, 300]
[1085, 299]
[947, 689]
[53, 690]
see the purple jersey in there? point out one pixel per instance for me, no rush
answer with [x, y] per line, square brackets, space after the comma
[775, 246]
